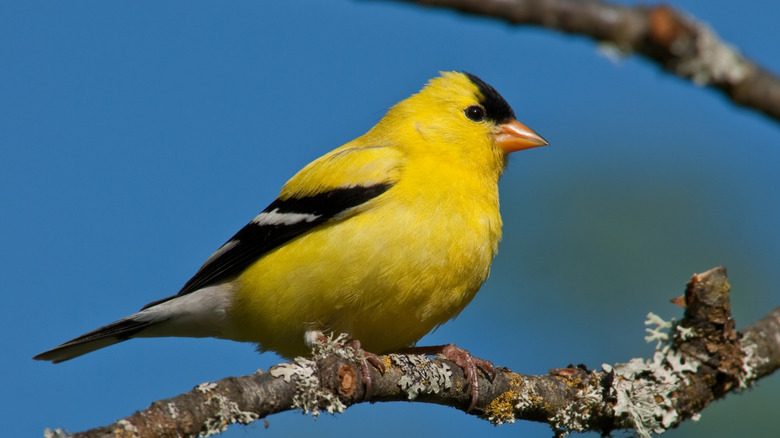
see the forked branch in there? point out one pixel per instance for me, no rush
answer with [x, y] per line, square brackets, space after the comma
[697, 360]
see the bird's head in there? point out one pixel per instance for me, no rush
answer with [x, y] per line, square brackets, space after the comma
[460, 113]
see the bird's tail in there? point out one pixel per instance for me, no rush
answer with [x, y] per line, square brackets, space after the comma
[118, 331]
[198, 314]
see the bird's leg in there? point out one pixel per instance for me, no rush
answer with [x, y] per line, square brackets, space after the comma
[365, 371]
[463, 359]
[313, 337]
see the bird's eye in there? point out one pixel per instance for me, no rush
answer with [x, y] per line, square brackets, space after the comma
[475, 113]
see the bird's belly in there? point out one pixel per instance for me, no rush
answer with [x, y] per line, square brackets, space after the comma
[385, 283]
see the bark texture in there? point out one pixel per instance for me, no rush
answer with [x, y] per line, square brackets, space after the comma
[698, 359]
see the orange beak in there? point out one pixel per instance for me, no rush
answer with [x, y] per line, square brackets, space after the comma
[514, 136]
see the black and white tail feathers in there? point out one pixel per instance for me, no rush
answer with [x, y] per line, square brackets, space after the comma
[199, 314]
[113, 333]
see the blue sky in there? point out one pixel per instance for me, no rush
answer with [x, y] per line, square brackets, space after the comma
[138, 136]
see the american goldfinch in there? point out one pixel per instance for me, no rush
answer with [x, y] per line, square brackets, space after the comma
[384, 238]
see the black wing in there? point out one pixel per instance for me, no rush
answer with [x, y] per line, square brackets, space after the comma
[279, 223]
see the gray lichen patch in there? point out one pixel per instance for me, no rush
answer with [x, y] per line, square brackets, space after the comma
[228, 412]
[646, 390]
[751, 362]
[714, 61]
[421, 375]
[576, 416]
[309, 397]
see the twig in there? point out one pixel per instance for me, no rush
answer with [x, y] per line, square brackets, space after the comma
[675, 41]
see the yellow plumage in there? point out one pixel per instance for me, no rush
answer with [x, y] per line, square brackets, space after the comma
[386, 269]
[412, 258]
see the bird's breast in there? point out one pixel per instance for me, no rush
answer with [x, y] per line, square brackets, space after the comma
[386, 276]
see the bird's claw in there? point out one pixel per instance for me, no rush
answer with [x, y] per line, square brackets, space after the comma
[366, 357]
[469, 364]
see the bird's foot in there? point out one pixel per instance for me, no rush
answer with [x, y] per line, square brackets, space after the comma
[463, 359]
[365, 371]
[344, 341]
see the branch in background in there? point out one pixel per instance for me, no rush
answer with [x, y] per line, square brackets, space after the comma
[697, 360]
[671, 39]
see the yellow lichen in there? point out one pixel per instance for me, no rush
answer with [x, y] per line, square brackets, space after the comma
[501, 409]
[387, 362]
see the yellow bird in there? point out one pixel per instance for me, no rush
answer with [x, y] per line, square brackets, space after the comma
[384, 238]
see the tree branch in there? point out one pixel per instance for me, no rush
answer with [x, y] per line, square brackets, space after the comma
[697, 360]
[673, 40]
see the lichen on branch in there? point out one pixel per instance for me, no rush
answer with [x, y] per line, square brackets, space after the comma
[697, 360]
